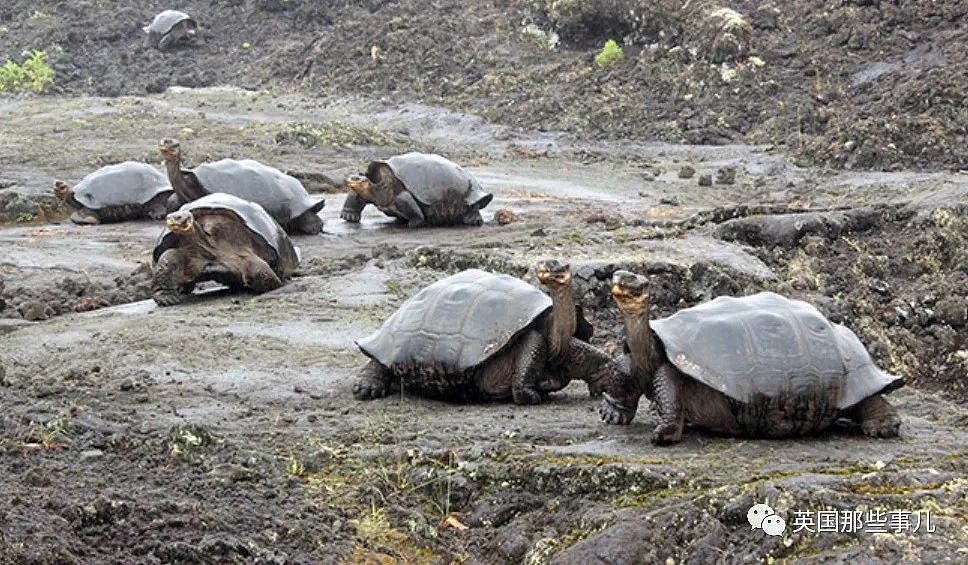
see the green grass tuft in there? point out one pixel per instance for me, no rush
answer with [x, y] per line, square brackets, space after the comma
[33, 74]
[610, 54]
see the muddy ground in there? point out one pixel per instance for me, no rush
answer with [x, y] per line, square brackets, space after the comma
[224, 429]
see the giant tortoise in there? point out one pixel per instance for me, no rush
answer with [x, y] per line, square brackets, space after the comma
[484, 336]
[115, 193]
[761, 365]
[169, 27]
[222, 238]
[418, 188]
[281, 195]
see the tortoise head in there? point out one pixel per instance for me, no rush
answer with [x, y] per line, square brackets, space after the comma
[180, 222]
[553, 273]
[631, 292]
[61, 189]
[360, 185]
[170, 149]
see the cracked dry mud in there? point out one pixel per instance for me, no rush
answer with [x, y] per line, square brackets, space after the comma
[224, 429]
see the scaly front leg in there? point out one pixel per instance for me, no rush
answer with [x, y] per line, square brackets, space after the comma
[528, 369]
[171, 278]
[353, 208]
[669, 406]
[586, 362]
[621, 390]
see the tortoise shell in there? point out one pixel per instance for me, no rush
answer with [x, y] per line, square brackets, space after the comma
[164, 21]
[430, 178]
[769, 345]
[457, 323]
[281, 195]
[121, 184]
[259, 223]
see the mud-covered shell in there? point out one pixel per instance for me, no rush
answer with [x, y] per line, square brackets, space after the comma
[121, 184]
[430, 177]
[255, 218]
[281, 195]
[769, 345]
[457, 322]
[166, 20]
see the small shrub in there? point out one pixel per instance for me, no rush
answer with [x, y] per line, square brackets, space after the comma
[33, 74]
[610, 54]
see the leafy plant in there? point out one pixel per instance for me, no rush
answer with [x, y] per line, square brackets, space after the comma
[610, 54]
[33, 74]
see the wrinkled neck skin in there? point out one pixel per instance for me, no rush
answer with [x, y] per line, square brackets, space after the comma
[562, 322]
[384, 187]
[380, 194]
[176, 176]
[644, 348]
[200, 239]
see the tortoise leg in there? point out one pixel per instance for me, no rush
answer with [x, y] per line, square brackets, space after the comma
[353, 208]
[621, 392]
[85, 216]
[473, 217]
[173, 203]
[528, 368]
[166, 41]
[877, 417]
[590, 364]
[259, 276]
[172, 280]
[309, 221]
[669, 406]
[409, 209]
[373, 382]
[157, 208]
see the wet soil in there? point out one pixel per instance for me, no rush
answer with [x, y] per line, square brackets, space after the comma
[857, 85]
[223, 430]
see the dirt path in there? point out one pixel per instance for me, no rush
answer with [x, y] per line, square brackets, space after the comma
[223, 429]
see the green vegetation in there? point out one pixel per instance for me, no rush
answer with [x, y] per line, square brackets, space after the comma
[33, 74]
[610, 54]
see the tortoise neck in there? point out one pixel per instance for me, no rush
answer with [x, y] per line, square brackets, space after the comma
[176, 176]
[214, 247]
[642, 341]
[563, 321]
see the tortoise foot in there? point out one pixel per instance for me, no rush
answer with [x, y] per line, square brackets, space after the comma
[370, 389]
[157, 213]
[85, 217]
[168, 297]
[887, 426]
[666, 434]
[526, 396]
[612, 412]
